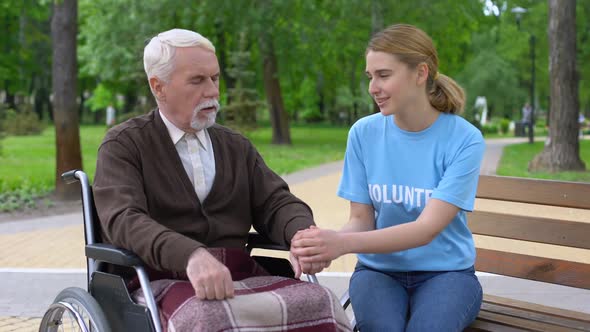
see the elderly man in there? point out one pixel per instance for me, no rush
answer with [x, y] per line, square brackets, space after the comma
[172, 185]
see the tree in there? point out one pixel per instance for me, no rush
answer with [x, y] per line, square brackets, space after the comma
[272, 86]
[563, 151]
[64, 85]
[240, 114]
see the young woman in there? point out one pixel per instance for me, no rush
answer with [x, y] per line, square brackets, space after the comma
[410, 174]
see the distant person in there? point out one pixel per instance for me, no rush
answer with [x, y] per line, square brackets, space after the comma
[111, 116]
[527, 117]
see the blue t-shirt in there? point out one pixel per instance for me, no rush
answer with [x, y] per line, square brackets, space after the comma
[398, 171]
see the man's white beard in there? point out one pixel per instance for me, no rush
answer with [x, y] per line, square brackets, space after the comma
[199, 124]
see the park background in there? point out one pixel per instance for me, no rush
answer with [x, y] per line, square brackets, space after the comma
[292, 77]
[292, 81]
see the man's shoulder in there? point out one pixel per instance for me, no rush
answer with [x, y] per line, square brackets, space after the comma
[131, 128]
[227, 134]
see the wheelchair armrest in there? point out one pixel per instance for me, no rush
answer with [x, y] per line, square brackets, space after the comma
[70, 176]
[108, 253]
[259, 241]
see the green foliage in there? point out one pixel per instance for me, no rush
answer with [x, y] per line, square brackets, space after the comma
[21, 123]
[24, 196]
[489, 128]
[481, 78]
[319, 49]
[504, 125]
[101, 98]
[240, 114]
[25, 45]
[2, 133]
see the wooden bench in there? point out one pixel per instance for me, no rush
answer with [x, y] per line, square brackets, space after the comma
[503, 314]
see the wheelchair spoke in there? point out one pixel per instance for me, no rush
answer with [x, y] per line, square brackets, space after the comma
[73, 310]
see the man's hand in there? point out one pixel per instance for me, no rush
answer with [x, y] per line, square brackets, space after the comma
[210, 279]
[295, 265]
[308, 268]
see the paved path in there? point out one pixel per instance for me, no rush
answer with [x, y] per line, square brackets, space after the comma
[493, 154]
[44, 255]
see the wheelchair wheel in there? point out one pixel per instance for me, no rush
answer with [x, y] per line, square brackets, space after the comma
[74, 309]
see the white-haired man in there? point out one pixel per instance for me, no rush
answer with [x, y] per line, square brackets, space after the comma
[172, 184]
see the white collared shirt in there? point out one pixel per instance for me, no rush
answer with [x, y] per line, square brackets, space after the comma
[196, 153]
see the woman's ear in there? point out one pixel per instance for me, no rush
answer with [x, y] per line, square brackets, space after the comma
[422, 71]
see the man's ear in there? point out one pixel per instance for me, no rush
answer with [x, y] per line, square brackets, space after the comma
[422, 71]
[157, 87]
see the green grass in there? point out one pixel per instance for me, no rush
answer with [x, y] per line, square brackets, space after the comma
[311, 146]
[29, 161]
[515, 160]
[539, 131]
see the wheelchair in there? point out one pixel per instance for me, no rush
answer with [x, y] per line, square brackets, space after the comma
[106, 305]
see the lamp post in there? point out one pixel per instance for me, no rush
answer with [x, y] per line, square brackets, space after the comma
[518, 12]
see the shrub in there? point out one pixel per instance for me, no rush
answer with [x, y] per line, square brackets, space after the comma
[21, 123]
[23, 197]
[489, 129]
[2, 114]
[504, 125]
[311, 115]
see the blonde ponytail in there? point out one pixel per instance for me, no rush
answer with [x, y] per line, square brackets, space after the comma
[446, 95]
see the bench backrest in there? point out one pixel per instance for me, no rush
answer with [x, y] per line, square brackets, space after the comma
[535, 229]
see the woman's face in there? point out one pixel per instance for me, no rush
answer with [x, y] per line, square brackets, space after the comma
[392, 84]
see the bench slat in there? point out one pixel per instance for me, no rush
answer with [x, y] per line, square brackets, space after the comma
[533, 268]
[535, 316]
[535, 191]
[537, 308]
[535, 229]
[527, 325]
[483, 326]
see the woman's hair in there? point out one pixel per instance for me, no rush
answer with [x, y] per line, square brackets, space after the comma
[413, 46]
[158, 54]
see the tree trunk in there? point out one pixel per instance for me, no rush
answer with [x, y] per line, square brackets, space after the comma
[562, 153]
[9, 97]
[131, 100]
[222, 51]
[64, 86]
[278, 117]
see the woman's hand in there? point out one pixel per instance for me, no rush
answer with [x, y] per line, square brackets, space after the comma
[318, 245]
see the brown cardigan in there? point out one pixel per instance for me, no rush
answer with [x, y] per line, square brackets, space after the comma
[146, 202]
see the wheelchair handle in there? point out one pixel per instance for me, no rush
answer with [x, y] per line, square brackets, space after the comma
[70, 177]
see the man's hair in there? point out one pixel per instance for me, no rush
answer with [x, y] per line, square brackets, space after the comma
[158, 54]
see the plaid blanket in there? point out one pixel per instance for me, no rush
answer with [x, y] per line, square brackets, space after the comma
[261, 303]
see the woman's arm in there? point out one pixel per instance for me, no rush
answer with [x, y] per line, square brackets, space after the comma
[362, 218]
[320, 245]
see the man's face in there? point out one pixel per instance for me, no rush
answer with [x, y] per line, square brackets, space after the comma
[190, 98]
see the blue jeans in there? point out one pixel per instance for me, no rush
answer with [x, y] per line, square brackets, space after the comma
[414, 301]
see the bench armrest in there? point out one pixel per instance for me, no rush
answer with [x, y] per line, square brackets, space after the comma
[108, 253]
[259, 241]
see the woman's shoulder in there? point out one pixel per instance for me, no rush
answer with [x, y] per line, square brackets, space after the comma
[369, 122]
